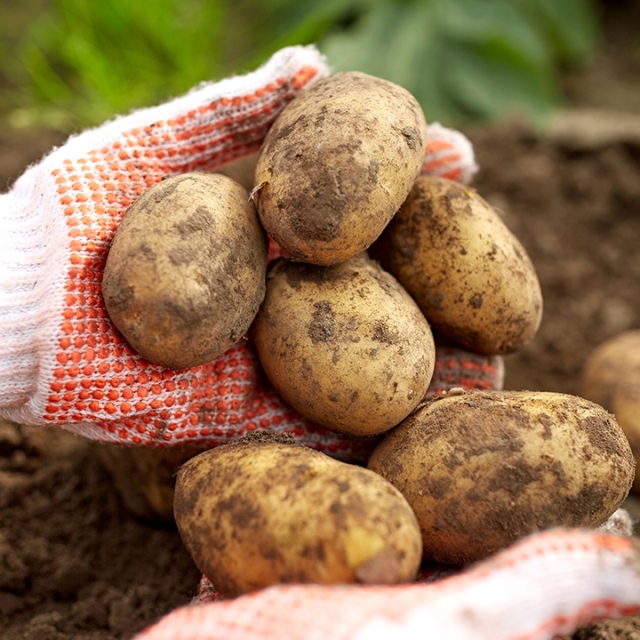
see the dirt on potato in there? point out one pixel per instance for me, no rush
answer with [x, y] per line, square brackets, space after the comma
[337, 164]
[484, 469]
[271, 512]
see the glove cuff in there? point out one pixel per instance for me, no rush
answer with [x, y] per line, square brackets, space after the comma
[27, 256]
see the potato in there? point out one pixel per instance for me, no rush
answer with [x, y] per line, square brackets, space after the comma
[611, 377]
[344, 345]
[255, 513]
[337, 164]
[611, 363]
[483, 469]
[468, 273]
[185, 273]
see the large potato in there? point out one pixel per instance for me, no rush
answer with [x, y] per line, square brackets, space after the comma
[255, 513]
[337, 164]
[468, 273]
[345, 345]
[611, 377]
[185, 273]
[483, 469]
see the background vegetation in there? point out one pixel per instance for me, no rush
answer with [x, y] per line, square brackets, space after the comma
[74, 63]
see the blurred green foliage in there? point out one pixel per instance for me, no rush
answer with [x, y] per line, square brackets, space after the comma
[74, 63]
[470, 59]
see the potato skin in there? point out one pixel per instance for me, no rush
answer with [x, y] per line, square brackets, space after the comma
[483, 469]
[186, 271]
[611, 377]
[468, 273]
[337, 164]
[344, 345]
[253, 514]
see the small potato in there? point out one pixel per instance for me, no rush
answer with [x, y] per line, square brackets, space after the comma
[345, 345]
[483, 469]
[185, 273]
[337, 164]
[611, 377]
[613, 362]
[626, 408]
[257, 513]
[468, 273]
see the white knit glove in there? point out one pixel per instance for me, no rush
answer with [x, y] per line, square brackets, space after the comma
[61, 361]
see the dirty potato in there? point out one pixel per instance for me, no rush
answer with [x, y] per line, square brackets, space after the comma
[468, 273]
[255, 513]
[185, 273]
[337, 164]
[483, 469]
[345, 345]
[611, 377]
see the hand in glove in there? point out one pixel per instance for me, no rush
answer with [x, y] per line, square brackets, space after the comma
[61, 361]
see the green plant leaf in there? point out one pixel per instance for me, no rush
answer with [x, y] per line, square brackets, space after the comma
[462, 59]
[570, 26]
[485, 88]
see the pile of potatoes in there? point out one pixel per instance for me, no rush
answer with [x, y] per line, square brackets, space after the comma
[381, 256]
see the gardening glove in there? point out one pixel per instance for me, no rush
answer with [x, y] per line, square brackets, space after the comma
[62, 362]
[542, 587]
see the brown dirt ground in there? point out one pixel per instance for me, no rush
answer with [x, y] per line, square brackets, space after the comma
[75, 565]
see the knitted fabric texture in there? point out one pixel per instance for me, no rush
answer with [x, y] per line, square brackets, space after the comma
[542, 587]
[61, 360]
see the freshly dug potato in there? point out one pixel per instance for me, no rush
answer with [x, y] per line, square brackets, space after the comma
[483, 469]
[345, 345]
[611, 377]
[185, 273]
[255, 513]
[337, 164]
[468, 273]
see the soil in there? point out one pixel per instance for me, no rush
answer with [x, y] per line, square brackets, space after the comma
[76, 565]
